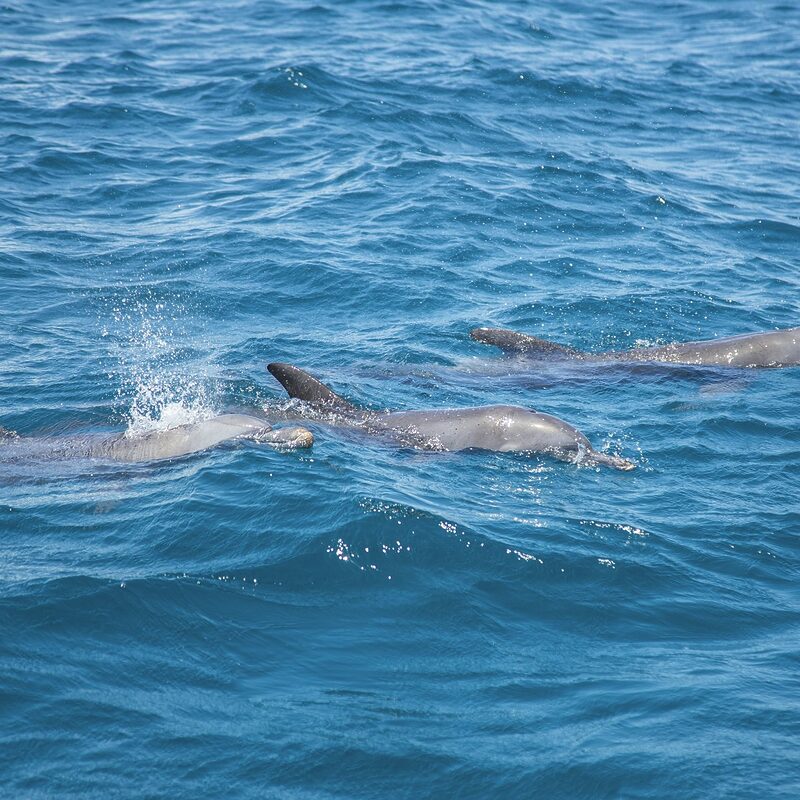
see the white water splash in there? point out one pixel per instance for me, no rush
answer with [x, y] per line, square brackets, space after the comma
[160, 387]
[153, 407]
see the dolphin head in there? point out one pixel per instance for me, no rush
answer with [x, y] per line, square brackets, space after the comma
[524, 430]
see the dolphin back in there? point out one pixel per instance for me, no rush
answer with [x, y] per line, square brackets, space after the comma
[768, 349]
[779, 348]
[298, 383]
[513, 342]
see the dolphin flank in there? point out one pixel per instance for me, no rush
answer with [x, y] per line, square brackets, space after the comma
[499, 428]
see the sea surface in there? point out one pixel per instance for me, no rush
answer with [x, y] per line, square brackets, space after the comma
[189, 190]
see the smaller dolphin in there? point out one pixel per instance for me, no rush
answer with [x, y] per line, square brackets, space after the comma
[171, 443]
[499, 428]
[768, 349]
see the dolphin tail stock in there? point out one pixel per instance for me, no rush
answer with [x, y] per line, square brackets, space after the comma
[298, 383]
[513, 342]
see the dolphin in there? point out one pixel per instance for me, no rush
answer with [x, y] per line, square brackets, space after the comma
[500, 428]
[153, 446]
[768, 349]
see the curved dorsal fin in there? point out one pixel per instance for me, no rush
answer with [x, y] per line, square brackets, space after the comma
[512, 342]
[298, 383]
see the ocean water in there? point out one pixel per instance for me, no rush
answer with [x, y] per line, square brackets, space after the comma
[193, 189]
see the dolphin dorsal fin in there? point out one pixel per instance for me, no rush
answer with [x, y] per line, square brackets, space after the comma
[298, 383]
[513, 342]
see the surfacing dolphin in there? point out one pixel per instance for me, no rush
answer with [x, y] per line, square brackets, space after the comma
[156, 445]
[500, 428]
[768, 349]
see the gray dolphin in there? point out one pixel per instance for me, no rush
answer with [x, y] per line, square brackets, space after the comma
[499, 428]
[767, 349]
[171, 443]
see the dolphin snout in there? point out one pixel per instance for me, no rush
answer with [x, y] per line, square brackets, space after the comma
[287, 437]
[617, 462]
[302, 437]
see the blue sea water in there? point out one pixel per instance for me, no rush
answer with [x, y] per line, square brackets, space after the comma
[193, 189]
